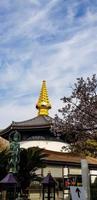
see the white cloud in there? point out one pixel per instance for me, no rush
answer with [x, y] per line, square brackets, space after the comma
[13, 112]
[26, 59]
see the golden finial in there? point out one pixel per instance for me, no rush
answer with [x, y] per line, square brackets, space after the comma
[43, 104]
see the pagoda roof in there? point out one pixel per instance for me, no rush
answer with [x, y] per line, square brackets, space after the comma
[69, 159]
[38, 122]
[42, 121]
[35, 122]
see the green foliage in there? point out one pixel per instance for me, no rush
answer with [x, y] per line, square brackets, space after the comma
[4, 156]
[88, 147]
[31, 159]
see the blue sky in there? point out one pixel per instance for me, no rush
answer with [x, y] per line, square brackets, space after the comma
[52, 40]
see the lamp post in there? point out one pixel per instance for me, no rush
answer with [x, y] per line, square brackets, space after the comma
[8, 184]
[48, 187]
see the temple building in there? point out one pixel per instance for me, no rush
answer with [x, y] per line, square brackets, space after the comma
[64, 166]
[37, 131]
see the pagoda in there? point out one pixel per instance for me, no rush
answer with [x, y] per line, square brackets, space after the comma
[65, 167]
[36, 131]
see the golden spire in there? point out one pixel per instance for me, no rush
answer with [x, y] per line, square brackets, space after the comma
[43, 104]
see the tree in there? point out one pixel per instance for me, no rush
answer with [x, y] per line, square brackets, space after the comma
[78, 123]
[4, 156]
[31, 159]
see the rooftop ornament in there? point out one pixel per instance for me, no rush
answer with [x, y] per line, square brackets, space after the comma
[43, 104]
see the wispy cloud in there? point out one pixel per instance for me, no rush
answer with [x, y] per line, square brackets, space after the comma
[53, 40]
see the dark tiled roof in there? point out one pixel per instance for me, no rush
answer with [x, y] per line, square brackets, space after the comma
[37, 122]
